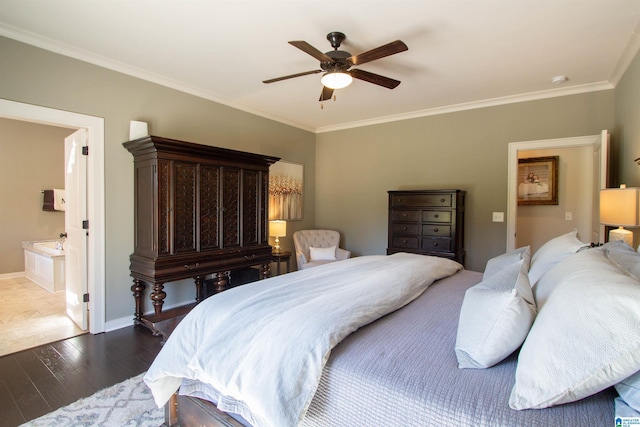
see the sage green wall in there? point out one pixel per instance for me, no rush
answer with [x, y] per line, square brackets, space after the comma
[464, 150]
[627, 131]
[31, 160]
[35, 76]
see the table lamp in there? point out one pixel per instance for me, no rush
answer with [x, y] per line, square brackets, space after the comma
[277, 229]
[620, 207]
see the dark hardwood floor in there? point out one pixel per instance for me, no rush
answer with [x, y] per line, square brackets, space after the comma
[39, 380]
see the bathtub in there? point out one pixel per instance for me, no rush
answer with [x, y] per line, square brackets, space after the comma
[44, 264]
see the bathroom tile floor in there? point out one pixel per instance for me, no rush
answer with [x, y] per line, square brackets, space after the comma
[31, 316]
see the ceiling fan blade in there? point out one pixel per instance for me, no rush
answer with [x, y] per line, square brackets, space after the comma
[326, 94]
[277, 79]
[374, 78]
[379, 52]
[307, 48]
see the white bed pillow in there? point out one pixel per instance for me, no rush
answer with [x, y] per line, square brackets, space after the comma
[585, 337]
[322, 254]
[552, 252]
[498, 263]
[623, 255]
[628, 260]
[496, 314]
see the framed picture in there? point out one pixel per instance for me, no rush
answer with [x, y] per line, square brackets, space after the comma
[286, 189]
[538, 181]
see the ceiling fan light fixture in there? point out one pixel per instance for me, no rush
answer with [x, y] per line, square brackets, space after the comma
[336, 79]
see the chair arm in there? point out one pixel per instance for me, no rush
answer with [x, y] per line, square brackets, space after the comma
[342, 254]
[301, 259]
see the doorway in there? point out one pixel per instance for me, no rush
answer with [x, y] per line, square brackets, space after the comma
[95, 254]
[599, 164]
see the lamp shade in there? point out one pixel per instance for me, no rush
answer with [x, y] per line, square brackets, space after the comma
[620, 207]
[336, 80]
[277, 228]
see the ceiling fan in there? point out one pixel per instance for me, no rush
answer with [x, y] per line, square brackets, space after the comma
[337, 63]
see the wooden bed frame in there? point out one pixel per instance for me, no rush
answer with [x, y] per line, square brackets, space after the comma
[185, 411]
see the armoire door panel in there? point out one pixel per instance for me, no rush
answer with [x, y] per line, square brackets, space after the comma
[164, 207]
[250, 213]
[230, 207]
[184, 208]
[209, 199]
[264, 208]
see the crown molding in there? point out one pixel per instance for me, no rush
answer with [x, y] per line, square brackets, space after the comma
[533, 96]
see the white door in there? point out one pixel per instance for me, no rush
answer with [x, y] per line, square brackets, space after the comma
[75, 247]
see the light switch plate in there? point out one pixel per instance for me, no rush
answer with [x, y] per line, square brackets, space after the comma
[498, 217]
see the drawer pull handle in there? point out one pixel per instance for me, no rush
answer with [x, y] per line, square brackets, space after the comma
[404, 215]
[186, 266]
[404, 241]
[404, 228]
[436, 216]
[250, 257]
[442, 200]
[435, 244]
[435, 230]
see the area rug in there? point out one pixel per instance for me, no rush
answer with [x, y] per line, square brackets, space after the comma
[125, 404]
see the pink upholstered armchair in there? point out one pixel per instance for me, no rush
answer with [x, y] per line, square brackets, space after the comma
[317, 247]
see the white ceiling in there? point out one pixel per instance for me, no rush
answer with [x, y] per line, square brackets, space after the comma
[462, 53]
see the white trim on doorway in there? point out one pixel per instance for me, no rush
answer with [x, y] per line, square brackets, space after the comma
[599, 142]
[95, 187]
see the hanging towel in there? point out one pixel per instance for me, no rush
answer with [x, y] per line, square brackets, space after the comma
[47, 204]
[59, 203]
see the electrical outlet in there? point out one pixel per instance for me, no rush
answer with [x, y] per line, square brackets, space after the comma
[568, 216]
[498, 217]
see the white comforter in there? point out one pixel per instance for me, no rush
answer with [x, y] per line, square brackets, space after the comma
[263, 345]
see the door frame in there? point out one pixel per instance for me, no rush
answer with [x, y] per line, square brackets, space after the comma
[95, 257]
[600, 142]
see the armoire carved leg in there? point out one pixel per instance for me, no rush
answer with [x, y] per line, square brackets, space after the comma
[221, 281]
[199, 289]
[138, 288]
[157, 297]
[266, 271]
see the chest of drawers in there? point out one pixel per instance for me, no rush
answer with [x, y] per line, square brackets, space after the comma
[428, 222]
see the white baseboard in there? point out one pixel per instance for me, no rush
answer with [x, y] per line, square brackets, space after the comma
[15, 275]
[123, 322]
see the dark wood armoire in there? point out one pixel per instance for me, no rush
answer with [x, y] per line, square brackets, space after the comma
[199, 210]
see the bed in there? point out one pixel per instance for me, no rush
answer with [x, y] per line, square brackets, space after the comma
[410, 364]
